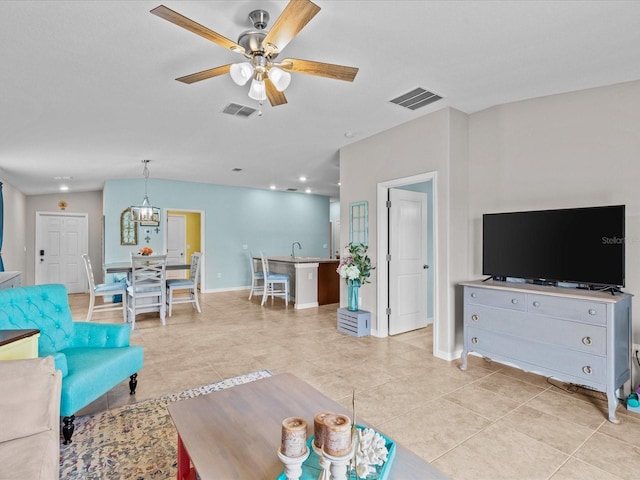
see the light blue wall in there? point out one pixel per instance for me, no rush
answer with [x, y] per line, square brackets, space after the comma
[427, 187]
[261, 219]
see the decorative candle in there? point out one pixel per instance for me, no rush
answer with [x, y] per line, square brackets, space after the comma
[319, 428]
[294, 437]
[337, 435]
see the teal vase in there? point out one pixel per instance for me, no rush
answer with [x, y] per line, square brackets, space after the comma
[352, 295]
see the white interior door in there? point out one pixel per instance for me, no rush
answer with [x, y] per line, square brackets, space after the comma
[60, 241]
[408, 263]
[176, 244]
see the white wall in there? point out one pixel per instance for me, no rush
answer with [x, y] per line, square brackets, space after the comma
[81, 202]
[14, 233]
[571, 150]
[432, 143]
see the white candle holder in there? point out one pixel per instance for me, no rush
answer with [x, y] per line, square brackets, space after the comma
[293, 465]
[338, 466]
[325, 463]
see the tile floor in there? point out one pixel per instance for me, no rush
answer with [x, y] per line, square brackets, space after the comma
[490, 422]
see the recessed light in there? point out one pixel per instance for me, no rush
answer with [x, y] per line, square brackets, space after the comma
[64, 188]
[308, 190]
[303, 178]
[272, 187]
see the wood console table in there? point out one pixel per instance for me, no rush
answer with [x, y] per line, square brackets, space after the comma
[18, 344]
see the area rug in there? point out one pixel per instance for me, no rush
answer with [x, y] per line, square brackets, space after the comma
[133, 442]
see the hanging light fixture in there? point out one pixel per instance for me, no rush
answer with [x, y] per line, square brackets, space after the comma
[145, 212]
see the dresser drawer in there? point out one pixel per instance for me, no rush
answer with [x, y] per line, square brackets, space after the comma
[590, 368]
[565, 333]
[495, 298]
[573, 309]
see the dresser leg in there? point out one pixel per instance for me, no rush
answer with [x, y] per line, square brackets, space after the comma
[463, 357]
[613, 404]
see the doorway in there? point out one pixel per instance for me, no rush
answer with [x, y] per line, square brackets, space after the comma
[61, 239]
[184, 235]
[386, 236]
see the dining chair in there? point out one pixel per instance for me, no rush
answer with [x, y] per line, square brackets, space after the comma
[257, 278]
[103, 290]
[275, 284]
[190, 284]
[146, 291]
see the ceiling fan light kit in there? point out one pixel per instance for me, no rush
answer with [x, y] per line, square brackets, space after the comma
[269, 78]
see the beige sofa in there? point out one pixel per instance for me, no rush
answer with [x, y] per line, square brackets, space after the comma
[29, 419]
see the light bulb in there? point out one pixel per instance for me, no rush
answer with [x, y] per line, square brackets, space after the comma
[257, 90]
[241, 72]
[280, 78]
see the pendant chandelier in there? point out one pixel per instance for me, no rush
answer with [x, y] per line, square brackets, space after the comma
[145, 212]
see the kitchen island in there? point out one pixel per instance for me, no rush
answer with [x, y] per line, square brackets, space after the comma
[313, 281]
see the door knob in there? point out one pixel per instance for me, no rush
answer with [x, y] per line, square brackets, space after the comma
[425, 266]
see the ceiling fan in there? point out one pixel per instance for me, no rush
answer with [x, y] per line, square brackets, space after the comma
[268, 78]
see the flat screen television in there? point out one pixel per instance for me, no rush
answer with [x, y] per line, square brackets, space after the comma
[584, 246]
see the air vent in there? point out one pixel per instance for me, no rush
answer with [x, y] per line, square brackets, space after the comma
[416, 98]
[236, 169]
[238, 110]
[292, 189]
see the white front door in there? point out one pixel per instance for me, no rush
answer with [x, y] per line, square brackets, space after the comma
[408, 263]
[176, 244]
[61, 239]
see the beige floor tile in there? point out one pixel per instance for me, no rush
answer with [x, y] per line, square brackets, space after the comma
[483, 402]
[500, 453]
[578, 470]
[434, 428]
[555, 432]
[510, 387]
[569, 408]
[611, 455]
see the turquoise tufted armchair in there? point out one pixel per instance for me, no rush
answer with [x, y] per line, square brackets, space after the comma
[92, 357]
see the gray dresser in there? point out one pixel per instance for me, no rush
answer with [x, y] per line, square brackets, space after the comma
[576, 336]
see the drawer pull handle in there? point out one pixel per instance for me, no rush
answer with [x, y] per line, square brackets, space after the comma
[587, 369]
[592, 311]
[587, 340]
[514, 301]
[536, 304]
[474, 340]
[474, 295]
[475, 317]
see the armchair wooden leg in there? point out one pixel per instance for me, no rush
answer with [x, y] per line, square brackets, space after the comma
[67, 428]
[133, 383]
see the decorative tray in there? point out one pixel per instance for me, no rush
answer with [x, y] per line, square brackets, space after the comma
[311, 469]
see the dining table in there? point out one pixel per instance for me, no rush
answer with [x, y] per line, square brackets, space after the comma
[125, 267]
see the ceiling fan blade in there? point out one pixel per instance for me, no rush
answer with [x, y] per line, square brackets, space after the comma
[275, 97]
[293, 18]
[329, 70]
[184, 22]
[212, 72]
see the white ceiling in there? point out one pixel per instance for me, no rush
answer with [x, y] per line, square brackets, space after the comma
[87, 89]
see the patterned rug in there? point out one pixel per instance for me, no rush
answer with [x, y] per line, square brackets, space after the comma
[134, 442]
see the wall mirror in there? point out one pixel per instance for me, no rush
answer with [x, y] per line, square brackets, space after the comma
[128, 228]
[358, 223]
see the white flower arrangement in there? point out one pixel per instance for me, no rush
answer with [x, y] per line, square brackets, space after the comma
[370, 451]
[350, 272]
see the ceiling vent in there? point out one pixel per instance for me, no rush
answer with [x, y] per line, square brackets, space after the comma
[416, 99]
[292, 189]
[238, 110]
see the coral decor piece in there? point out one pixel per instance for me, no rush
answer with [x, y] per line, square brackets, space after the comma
[145, 251]
[371, 450]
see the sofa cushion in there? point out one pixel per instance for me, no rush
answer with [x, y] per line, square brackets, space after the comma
[36, 457]
[94, 371]
[27, 406]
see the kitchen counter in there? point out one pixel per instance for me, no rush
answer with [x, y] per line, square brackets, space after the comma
[313, 281]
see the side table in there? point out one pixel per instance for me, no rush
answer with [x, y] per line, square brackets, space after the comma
[19, 344]
[357, 323]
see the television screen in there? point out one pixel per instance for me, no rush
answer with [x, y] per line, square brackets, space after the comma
[575, 245]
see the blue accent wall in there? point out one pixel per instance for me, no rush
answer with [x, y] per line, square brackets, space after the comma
[260, 219]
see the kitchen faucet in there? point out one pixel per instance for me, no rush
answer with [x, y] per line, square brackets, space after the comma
[293, 255]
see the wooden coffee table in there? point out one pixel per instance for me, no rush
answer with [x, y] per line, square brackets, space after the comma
[235, 433]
